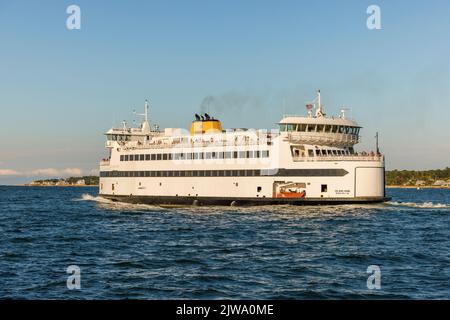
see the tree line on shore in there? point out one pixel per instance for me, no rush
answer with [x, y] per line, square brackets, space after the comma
[413, 177]
[85, 180]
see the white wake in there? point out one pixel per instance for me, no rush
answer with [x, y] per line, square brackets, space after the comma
[116, 204]
[425, 205]
[88, 197]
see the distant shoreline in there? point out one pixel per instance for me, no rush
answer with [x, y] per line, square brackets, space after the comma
[85, 181]
[416, 187]
[68, 185]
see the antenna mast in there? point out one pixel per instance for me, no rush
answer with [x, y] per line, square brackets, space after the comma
[319, 105]
[146, 110]
[145, 114]
[145, 126]
[376, 142]
[319, 112]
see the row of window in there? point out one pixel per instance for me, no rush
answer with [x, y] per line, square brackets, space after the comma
[187, 173]
[322, 152]
[320, 128]
[119, 137]
[331, 153]
[195, 155]
[280, 172]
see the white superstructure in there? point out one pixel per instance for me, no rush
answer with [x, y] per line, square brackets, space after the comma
[309, 159]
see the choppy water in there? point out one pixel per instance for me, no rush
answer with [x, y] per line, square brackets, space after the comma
[149, 252]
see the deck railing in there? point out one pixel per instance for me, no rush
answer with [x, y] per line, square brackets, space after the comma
[264, 140]
[354, 157]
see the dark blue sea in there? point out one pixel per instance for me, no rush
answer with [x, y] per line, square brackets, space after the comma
[272, 252]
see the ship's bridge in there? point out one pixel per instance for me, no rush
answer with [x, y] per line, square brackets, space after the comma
[125, 135]
[320, 130]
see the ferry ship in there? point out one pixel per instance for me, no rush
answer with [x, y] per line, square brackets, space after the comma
[309, 159]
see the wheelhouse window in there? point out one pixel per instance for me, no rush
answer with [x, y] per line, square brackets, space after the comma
[291, 127]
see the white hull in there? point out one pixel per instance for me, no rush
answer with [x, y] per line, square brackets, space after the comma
[336, 179]
[311, 159]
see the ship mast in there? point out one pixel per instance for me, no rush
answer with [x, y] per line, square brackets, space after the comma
[319, 111]
[146, 110]
[145, 124]
[376, 143]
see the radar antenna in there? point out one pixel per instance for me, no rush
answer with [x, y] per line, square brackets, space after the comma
[343, 111]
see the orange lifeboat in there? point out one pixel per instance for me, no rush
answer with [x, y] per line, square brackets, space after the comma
[291, 194]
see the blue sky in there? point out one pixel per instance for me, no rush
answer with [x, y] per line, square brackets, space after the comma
[61, 89]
